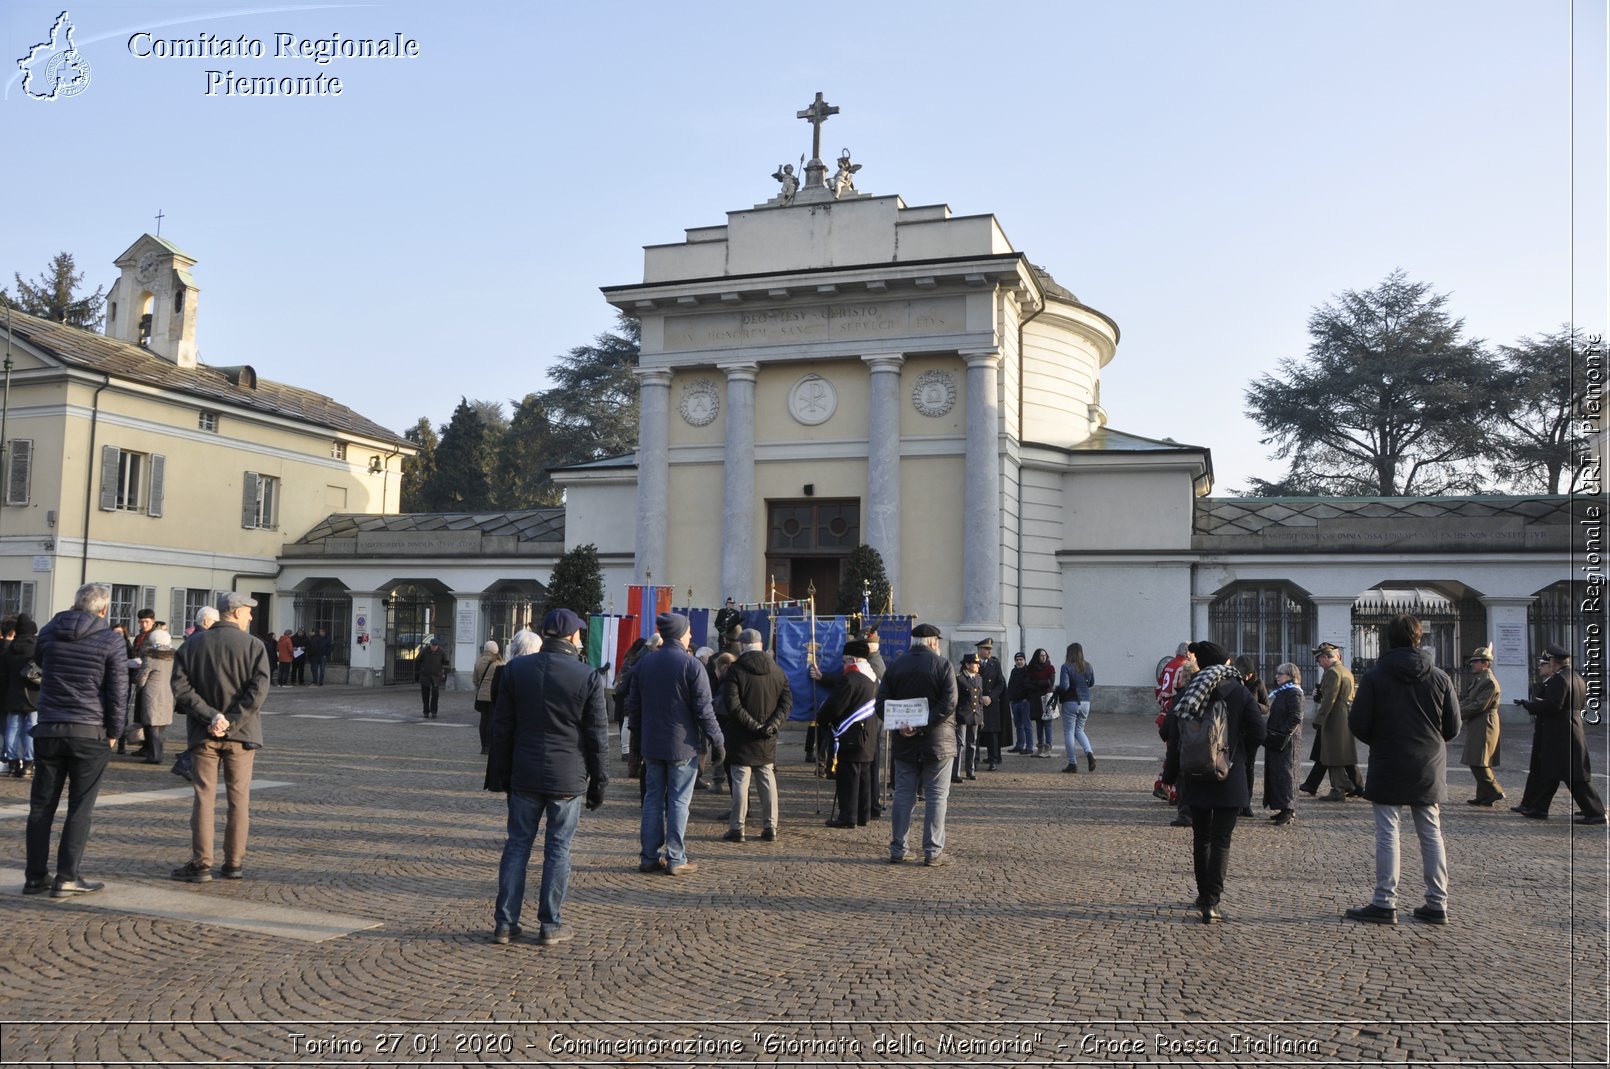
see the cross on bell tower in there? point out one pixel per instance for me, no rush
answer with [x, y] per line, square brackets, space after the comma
[816, 114]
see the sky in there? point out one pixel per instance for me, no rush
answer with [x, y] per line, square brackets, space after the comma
[1206, 174]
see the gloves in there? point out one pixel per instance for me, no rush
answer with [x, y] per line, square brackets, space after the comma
[718, 753]
[595, 793]
[769, 731]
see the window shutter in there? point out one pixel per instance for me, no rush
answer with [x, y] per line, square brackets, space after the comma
[148, 598]
[176, 621]
[154, 505]
[110, 455]
[248, 500]
[19, 471]
[26, 600]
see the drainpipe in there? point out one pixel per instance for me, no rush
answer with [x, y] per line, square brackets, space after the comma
[89, 480]
[1022, 637]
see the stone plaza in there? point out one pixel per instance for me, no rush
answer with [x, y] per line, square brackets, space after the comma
[1063, 934]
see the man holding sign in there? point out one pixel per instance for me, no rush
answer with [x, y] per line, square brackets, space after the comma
[917, 701]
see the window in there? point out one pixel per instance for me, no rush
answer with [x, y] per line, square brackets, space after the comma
[19, 470]
[131, 482]
[186, 602]
[126, 602]
[207, 421]
[111, 316]
[178, 301]
[16, 596]
[259, 507]
[338, 450]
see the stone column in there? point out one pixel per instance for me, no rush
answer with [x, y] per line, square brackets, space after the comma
[1201, 627]
[981, 509]
[366, 661]
[1333, 623]
[883, 465]
[653, 472]
[466, 639]
[1511, 638]
[738, 490]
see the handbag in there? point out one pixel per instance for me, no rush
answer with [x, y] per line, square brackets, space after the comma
[1052, 708]
[31, 672]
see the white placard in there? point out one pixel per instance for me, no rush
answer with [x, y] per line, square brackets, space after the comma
[466, 622]
[905, 712]
[1510, 638]
[41, 563]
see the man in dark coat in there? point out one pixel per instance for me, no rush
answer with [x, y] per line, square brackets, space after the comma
[83, 704]
[995, 714]
[1213, 805]
[549, 734]
[874, 661]
[969, 714]
[1559, 745]
[220, 681]
[849, 718]
[430, 672]
[921, 755]
[756, 701]
[1405, 710]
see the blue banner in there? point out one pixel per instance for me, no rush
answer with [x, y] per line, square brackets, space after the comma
[793, 635]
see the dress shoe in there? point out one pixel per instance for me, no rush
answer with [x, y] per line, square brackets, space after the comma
[651, 866]
[1178, 823]
[1312, 792]
[1211, 915]
[1070, 767]
[1534, 814]
[1521, 809]
[1600, 819]
[191, 872]
[1246, 811]
[505, 932]
[971, 776]
[992, 766]
[1333, 796]
[1373, 914]
[955, 779]
[557, 934]
[36, 887]
[68, 888]
[1284, 817]
[938, 860]
[233, 872]
[895, 859]
[768, 835]
[736, 835]
[1090, 759]
[1427, 915]
[687, 868]
[1488, 802]
[1355, 794]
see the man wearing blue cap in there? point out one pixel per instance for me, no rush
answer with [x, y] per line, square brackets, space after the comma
[668, 709]
[549, 733]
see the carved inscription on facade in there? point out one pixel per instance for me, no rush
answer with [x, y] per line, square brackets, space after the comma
[843, 321]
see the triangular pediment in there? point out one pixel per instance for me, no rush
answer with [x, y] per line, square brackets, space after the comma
[150, 243]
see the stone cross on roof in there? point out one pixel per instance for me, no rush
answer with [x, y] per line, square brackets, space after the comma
[816, 115]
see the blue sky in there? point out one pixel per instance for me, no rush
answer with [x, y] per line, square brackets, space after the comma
[1204, 173]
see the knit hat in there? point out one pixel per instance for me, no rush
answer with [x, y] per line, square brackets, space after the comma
[1209, 653]
[671, 625]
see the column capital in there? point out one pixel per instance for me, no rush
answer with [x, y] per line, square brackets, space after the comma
[743, 371]
[884, 362]
[1333, 599]
[980, 357]
[1517, 601]
[653, 376]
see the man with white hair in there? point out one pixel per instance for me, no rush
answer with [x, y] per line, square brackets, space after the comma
[756, 700]
[184, 764]
[922, 755]
[83, 706]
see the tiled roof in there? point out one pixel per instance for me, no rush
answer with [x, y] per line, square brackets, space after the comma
[1252, 515]
[87, 350]
[526, 525]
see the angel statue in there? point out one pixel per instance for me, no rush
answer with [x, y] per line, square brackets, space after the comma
[844, 180]
[785, 175]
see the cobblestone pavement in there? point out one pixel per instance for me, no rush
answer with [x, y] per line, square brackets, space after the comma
[1061, 934]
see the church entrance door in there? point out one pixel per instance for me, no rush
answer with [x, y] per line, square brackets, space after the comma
[807, 543]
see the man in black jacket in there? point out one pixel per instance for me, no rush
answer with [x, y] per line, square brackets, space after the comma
[921, 754]
[756, 701]
[83, 705]
[550, 731]
[849, 719]
[1405, 710]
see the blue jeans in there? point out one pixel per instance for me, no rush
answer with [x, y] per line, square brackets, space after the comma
[668, 788]
[20, 744]
[525, 812]
[1074, 715]
[1023, 727]
[318, 672]
[1433, 857]
[935, 777]
[1043, 730]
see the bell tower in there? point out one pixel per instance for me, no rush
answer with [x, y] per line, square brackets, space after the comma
[153, 302]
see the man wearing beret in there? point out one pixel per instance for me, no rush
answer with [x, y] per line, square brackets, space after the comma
[922, 755]
[548, 736]
[1559, 745]
[667, 711]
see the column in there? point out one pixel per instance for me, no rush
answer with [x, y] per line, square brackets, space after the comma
[883, 465]
[467, 626]
[1333, 621]
[738, 489]
[1201, 626]
[981, 510]
[1510, 636]
[653, 472]
[367, 660]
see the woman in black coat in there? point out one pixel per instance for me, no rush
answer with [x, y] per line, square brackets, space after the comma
[1282, 748]
[1214, 805]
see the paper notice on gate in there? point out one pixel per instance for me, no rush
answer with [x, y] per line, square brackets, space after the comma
[905, 712]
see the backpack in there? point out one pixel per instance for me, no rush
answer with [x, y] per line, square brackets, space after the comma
[1205, 743]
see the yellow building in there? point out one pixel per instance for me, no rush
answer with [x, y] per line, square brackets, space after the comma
[127, 461]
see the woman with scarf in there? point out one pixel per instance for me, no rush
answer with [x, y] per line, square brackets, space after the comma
[1283, 744]
[1214, 805]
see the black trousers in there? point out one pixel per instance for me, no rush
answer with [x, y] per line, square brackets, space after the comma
[1211, 830]
[855, 791]
[153, 743]
[78, 765]
[430, 694]
[1539, 795]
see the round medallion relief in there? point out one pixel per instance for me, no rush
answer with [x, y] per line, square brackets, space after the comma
[813, 400]
[700, 403]
[935, 393]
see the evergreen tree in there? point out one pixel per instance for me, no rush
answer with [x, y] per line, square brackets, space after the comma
[1541, 402]
[592, 406]
[417, 470]
[461, 481]
[577, 582]
[524, 456]
[1391, 399]
[863, 570]
[54, 296]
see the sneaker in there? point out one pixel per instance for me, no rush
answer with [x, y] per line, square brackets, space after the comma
[937, 860]
[68, 888]
[505, 932]
[1373, 914]
[769, 835]
[233, 872]
[687, 868]
[557, 934]
[1427, 915]
[736, 835]
[193, 872]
